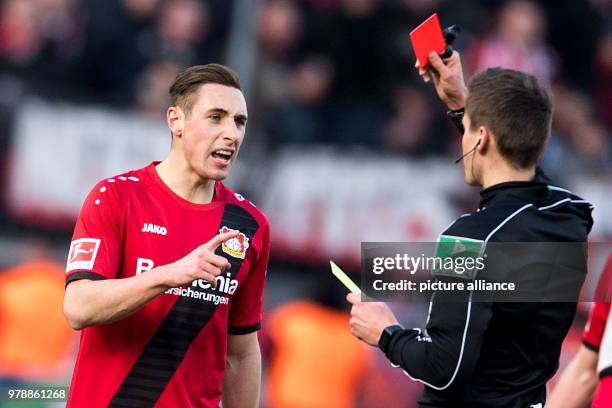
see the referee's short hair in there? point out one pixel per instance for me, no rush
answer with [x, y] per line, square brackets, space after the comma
[188, 81]
[517, 110]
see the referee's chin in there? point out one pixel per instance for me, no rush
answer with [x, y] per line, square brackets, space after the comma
[470, 179]
[473, 183]
[472, 172]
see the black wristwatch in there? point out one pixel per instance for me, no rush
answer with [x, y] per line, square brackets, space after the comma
[456, 116]
[385, 337]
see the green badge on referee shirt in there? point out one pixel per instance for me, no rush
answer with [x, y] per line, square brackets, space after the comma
[458, 257]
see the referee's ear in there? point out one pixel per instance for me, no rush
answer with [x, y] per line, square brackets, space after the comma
[484, 141]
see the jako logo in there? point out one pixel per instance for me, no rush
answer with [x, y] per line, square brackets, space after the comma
[156, 229]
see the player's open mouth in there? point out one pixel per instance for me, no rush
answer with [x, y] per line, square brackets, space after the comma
[223, 155]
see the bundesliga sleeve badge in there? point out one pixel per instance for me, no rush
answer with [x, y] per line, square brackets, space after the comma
[236, 246]
[82, 254]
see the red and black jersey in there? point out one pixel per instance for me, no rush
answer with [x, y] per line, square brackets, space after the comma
[171, 352]
[597, 334]
[596, 326]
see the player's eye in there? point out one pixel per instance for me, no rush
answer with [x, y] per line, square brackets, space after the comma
[240, 122]
[215, 116]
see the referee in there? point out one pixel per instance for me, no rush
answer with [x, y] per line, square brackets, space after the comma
[484, 353]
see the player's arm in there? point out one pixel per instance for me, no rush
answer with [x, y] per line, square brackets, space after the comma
[93, 302]
[578, 382]
[580, 376]
[242, 380]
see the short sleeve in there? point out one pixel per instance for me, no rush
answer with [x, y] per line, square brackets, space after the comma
[246, 307]
[95, 250]
[594, 330]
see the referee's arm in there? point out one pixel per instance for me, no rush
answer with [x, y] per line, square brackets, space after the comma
[445, 352]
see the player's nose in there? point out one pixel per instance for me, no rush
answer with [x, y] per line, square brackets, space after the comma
[231, 133]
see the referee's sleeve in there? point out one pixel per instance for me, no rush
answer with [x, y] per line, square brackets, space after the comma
[445, 352]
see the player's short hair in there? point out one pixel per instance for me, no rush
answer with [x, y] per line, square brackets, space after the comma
[516, 109]
[188, 81]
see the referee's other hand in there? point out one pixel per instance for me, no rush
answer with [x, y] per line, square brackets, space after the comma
[447, 75]
[369, 319]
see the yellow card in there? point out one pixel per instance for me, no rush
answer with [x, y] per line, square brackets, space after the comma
[342, 277]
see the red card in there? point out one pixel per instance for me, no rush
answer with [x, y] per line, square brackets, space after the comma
[427, 37]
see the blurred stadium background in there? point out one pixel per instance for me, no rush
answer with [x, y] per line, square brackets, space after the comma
[344, 144]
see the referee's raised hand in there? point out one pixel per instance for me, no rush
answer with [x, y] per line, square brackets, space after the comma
[447, 76]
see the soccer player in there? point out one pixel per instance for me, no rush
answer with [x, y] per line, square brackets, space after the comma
[166, 267]
[484, 353]
[579, 384]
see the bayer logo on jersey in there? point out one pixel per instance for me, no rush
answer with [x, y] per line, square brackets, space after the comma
[236, 246]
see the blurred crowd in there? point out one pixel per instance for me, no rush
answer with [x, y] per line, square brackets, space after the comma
[338, 72]
[326, 71]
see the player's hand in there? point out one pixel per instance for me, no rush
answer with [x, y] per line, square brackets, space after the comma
[369, 319]
[447, 77]
[201, 263]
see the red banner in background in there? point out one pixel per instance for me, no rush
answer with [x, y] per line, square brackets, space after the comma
[322, 203]
[60, 151]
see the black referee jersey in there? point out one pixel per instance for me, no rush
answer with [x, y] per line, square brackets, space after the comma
[497, 354]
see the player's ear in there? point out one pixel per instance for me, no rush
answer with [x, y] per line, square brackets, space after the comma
[175, 119]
